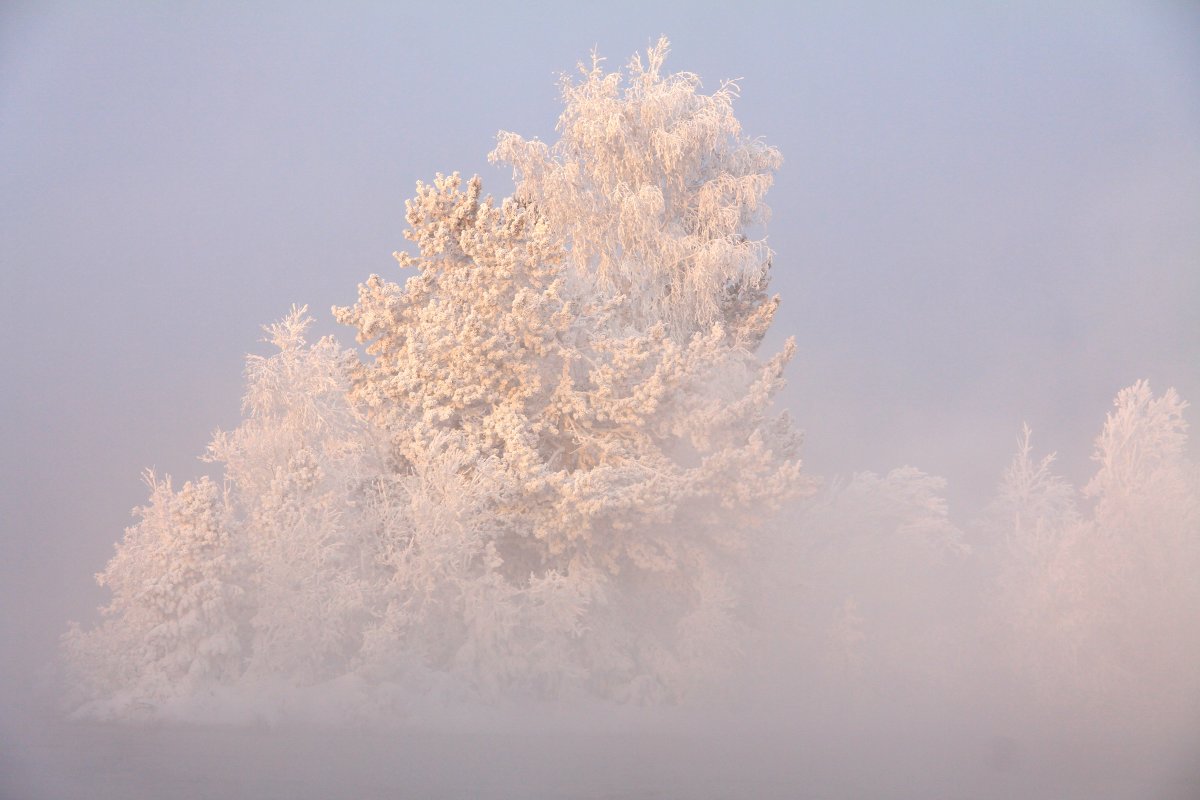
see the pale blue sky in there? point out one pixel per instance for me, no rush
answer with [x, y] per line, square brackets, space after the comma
[986, 215]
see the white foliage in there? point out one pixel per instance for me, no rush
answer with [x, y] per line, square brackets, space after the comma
[626, 467]
[655, 186]
[295, 467]
[177, 586]
[547, 475]
[1102, 605]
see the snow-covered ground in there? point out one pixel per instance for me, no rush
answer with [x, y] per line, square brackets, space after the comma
[627, 754]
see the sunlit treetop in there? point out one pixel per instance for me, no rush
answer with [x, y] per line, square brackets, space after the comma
[657, 193]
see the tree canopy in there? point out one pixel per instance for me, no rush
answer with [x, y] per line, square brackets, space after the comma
[545, 472]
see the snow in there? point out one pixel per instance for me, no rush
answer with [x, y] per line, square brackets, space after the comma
[638, 755]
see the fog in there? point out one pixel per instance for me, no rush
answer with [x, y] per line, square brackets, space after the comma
[984, 218]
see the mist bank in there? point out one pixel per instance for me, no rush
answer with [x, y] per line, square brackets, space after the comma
[803, 743]
[1043, 648]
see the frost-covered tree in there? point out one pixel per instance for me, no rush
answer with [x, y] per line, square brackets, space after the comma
[546, 474]
[177, 587]
[870, 561]
[295, 469]
[1041, 604]
[657, 193]
[624, 425]
[262, 577]
[1101, 604]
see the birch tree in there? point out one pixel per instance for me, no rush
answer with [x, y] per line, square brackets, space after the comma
[545, 474]
[605, 374]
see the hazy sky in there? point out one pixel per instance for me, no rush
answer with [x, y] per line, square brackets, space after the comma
[986, 215]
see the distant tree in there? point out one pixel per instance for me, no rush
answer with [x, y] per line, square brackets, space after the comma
[1102, 605]
[1040, 603]
[870, 559]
